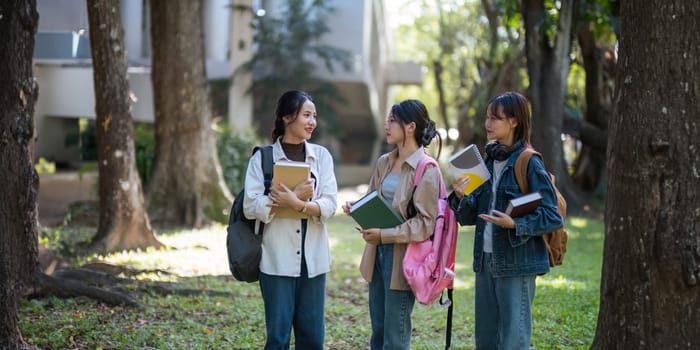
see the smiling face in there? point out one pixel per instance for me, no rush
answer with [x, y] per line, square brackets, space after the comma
[300, 127]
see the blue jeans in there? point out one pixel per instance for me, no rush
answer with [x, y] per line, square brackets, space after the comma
[389, 310]
[294, 302]
[503, 310]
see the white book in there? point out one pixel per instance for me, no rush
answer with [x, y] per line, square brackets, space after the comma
[468, 162]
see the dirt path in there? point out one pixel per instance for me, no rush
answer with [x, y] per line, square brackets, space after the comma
[58, 191]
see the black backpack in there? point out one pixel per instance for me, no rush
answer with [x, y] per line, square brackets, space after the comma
[243, 244]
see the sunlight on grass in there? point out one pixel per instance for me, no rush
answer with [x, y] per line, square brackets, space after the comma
[187, 253]
[564, 311]
[561, 282]
[577, 222]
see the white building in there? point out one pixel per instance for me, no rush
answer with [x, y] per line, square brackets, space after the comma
[64, 72]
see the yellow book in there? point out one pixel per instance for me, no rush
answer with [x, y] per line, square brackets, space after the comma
[468, 162]
[291, 174]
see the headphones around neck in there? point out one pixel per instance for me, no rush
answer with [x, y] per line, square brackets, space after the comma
[501, 152]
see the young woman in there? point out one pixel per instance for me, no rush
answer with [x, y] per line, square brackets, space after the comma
[296, 254]
[409, 127]
[509, 252]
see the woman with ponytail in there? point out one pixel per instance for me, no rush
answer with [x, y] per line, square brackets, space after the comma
[296, 254]
[391, 300]
[509, 252]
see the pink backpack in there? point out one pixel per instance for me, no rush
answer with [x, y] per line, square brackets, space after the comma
[429, 265]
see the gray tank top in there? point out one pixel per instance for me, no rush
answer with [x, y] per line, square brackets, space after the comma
[389, 185]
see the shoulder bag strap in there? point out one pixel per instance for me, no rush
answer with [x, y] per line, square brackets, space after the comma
[267, 164]
[520, 168]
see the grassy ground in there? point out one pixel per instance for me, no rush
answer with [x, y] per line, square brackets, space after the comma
[564, 313]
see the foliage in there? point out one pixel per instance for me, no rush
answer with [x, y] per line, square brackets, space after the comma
[144, 150]
[284, 58]
[85, 138]
[234, 149]
[43, 166]
[456, 35]
[564, 313]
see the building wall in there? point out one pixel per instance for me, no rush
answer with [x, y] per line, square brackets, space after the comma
[65, 79]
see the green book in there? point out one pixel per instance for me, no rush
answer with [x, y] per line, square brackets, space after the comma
[373, 211]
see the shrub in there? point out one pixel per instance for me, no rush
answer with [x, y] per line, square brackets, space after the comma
[234, 150]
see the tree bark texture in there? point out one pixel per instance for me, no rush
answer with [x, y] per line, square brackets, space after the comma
[18, 209]
[650, 292]
[547, 67]
[187, 186]
[123, 221]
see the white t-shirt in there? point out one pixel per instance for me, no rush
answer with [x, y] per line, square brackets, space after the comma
[488, 229]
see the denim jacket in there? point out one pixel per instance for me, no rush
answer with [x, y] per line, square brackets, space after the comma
[519, 251]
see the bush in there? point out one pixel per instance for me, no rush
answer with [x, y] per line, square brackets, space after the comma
[234, 150]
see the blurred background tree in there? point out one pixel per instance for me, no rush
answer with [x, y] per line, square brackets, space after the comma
[286, 46]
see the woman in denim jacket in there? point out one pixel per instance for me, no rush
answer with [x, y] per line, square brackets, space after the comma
[509, 252]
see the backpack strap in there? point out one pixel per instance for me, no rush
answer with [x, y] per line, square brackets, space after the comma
[520, 168]
[267, 164]
[420, 171]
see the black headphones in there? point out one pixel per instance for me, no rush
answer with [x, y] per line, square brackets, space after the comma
[501, 152]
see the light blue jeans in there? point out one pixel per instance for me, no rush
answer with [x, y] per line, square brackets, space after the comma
[503, 310]
[389, 310]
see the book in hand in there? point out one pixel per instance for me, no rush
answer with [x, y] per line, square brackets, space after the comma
[468, 162]
[524, 204]
[290, 173]
[373, 211]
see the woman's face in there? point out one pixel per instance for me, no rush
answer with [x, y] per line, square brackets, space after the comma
[396, 132]
[499, 127]
[303, 126]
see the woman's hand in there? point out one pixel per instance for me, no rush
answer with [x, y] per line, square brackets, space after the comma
[346, 207]
[371, 236]
[282, 197]
[459, 184]
[305, 190]
[499, 218]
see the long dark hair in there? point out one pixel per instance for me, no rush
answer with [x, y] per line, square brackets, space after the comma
[289, 103]
[414, 111]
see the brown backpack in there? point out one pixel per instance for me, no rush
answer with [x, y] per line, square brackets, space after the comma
[555, 240]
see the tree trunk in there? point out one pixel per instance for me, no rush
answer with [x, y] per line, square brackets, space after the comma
[589, 168]
[187, 186]
[649, 293]
[123, 220]
[548, 67]
[20, 183]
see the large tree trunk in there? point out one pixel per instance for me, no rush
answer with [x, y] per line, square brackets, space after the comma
[650, 292]
[187, 187]
[20, 183]
[123, 221]
[548, 67]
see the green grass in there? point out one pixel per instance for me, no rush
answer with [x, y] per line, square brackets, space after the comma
[565, 310]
